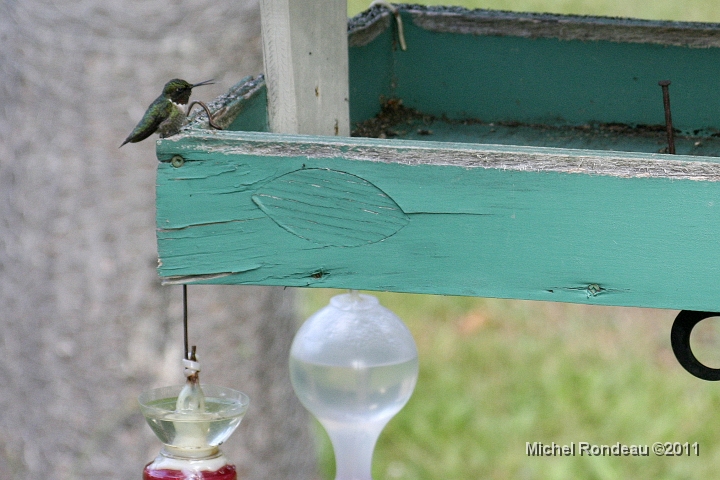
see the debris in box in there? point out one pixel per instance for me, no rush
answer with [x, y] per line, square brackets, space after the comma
[396, 120]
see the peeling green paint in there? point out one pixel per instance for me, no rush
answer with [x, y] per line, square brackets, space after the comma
[498, 219]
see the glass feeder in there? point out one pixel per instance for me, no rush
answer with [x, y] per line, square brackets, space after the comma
[192, 421]
[353, 365]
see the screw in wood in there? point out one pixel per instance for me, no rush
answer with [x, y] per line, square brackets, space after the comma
[177, 161]
[665, 84]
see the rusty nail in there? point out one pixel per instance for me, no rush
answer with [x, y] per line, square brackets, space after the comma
[664, 84]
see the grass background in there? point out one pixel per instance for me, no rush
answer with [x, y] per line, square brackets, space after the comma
[495, 374]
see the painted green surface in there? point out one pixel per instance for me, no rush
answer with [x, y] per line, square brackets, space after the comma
[330, 208]
[253, 117]
[371, 76]
[588, 137]
[553, 81]
[469, 231]
[333, 217]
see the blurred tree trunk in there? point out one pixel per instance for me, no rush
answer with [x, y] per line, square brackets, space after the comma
[84, 324]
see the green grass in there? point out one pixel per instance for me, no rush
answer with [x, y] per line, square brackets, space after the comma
[495, 374]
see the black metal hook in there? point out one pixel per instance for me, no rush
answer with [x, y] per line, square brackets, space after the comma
[185, 322]
[680, 341]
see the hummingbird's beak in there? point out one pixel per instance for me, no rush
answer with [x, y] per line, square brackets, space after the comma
[206, 82]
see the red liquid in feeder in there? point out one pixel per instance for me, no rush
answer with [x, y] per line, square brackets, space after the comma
[227, 472]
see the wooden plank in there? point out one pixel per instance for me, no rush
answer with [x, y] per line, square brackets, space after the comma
[243, 107]
[594, 227]
[306, 65]
[366, 26]
[588, 226]
[541, 69]
[565, 27]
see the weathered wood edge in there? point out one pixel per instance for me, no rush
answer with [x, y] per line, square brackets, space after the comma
[368, 25]
[226, 107]
[306, 65]
[409, 152]
[365, 27]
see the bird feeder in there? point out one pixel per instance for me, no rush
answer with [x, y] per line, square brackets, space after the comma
[523, 157]
[497, 154]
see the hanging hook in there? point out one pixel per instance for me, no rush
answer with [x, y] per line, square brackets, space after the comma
[185, 321]
[680, 341]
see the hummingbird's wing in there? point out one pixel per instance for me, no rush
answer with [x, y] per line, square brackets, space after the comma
[158, 111]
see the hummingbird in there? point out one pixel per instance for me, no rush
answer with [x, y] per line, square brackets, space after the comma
[168, 112]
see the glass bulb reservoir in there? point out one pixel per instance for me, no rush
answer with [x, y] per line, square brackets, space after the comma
[354, 365]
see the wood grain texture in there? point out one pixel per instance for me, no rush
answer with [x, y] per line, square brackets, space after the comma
[278, 60]
[366, 26]
[542, 69]
[320, 64]
[306, 63]
[504, 220]
[242, 107]
[437, 153]
[508, 222]
[330, 208]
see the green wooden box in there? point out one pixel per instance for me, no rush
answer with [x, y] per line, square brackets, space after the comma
[523, 158]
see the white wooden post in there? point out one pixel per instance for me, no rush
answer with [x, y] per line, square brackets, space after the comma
[306, 65]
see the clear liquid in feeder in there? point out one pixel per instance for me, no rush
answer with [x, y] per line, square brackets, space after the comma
[353, 365]
[192, 421]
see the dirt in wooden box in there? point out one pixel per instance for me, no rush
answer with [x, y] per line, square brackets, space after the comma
[395, 119]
